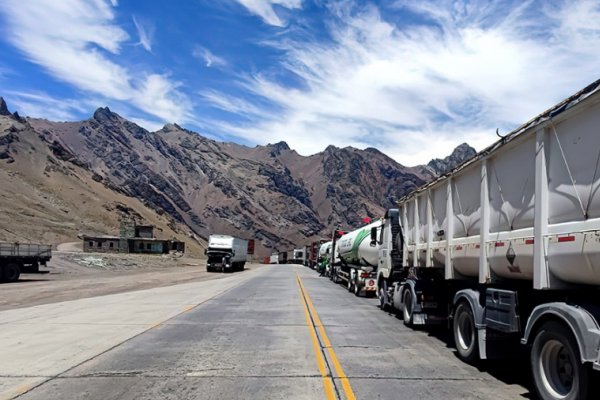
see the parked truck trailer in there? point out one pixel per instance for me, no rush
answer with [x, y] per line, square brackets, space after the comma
[226, 253]
[359, 257]
[299, 256]
[313, 253]
[16, 258]
[506, 248]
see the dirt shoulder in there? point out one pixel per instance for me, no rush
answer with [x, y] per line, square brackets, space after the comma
[76, 275]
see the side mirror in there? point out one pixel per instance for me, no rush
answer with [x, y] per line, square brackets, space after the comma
[373, 236]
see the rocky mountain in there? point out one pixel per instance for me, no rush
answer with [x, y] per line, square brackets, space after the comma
[270, 193]
[461, 153]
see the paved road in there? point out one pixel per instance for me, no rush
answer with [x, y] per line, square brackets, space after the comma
[281, 333]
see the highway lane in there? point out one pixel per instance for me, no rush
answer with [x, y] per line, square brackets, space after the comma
[283, 333]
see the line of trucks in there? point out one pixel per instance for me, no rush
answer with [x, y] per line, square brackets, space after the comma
[504, 249]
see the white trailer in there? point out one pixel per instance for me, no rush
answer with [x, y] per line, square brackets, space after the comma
[22, 257]
[507, 248]
[358, 260]
[299, 256]
[226, 253]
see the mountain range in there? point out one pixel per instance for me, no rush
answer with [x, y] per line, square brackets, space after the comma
[68, 178]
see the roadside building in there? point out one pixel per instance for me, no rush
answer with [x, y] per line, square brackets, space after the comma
[133, 239]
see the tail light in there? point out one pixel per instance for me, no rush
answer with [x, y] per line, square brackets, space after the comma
[364, 274]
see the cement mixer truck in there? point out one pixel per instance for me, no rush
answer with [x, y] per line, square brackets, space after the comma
[506, 248]
[358, 260]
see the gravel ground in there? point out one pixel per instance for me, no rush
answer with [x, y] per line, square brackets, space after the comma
[75, 275]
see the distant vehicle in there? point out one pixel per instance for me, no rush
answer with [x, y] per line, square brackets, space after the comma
[358, 260]
[283, 257]
[299, 256]
[274, 259]
[16, 258]
[312, 255]
[226, 253]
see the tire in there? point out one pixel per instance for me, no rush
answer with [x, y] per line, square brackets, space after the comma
[408, 307]
[465, 333]
[356, 290]
[349, 286]
[381, 293]
[242, 266]
[11, 272]
[556, 364]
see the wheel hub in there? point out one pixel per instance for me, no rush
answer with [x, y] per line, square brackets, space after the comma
[558, 372]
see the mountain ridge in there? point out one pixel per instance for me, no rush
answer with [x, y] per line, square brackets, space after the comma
[270, 193]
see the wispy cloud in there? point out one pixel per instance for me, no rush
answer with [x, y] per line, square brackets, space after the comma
[208, 57]
[73, 41]
[145, 33]
[40, 104]
[265, 9]
[417, 90]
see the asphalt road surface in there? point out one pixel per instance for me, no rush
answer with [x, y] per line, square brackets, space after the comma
[278, 332]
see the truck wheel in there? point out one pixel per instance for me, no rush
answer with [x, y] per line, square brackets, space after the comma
[11, 272]
[356, 290]
[381, 293]
[556, 364]
[350, 285]
[407, 310]
[242, 266]
[465, 333]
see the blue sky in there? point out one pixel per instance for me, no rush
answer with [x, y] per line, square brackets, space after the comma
[413, 79]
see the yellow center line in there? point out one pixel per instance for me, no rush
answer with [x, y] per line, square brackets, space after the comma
[326, 342]
[327, 382]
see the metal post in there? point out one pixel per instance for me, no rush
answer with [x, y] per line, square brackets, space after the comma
[541, 276]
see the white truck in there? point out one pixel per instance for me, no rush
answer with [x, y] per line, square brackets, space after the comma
[299, 256]
[358, 260]
[506, 247]
[226, 253]
[22, 257]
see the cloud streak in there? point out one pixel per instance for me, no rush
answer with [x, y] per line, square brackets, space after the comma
[418, 90]
[266, 11]
[144, 33]
[208, 57]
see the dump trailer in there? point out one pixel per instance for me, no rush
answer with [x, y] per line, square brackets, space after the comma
[226, 253]
[16, 258]
[358, 256]
[506, 249]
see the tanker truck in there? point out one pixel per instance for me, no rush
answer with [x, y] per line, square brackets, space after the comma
[506, 249]
[358, 260]
[325, 260]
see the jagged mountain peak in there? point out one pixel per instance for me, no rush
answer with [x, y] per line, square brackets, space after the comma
[460, 154]
[104, 114]
[171, 127]
[279, 146]
[3, 107]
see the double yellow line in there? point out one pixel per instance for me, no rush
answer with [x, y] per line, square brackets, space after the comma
[314, 323]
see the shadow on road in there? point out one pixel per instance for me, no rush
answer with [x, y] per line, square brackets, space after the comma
[512, 370]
